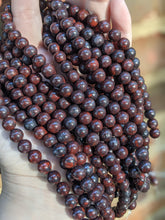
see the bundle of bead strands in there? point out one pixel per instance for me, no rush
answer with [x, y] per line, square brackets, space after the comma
[90, 107]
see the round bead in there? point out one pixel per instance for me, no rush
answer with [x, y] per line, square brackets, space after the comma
[53, 177]
[71, 201]
[69, 161]
[63, 188]
[44, 166]
[34, 156]
[24, 146]
[93, 139]
[8, 123]
[16, 135]
[78, 212]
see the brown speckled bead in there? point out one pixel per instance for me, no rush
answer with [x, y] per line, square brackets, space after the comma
[16, 135]
[20, 116]
[34, 156]
[39, 132]
[24, 102]
[30, 51]
[43, 87]
[44, 166]
[63, 188]
[69, 161]
[53, 177]
[33, 111]
[24, 146]
[71, 201]
[29, 89]
[43, 118]
[78, 213]
[8, 123]
[4, 112]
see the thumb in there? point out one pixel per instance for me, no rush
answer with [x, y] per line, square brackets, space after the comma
[27, 19]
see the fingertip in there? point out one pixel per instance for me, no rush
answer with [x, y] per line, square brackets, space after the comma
[121, 18]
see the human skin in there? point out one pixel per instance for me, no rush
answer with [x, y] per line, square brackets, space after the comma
[25, 192]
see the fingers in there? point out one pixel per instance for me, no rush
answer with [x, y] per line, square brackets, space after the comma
[121, 18]
[27, 19]
[100, 7]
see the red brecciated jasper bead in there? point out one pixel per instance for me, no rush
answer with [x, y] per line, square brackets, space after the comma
[4, 112]
[71, 201]
[8, 123]
[44, 166]
[24, 146]
[16, 135]
[54, 177]
[34, 156]
[63, 188]
[78, 212]
[39, 132]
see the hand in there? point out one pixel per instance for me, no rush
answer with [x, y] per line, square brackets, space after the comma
[25, 195]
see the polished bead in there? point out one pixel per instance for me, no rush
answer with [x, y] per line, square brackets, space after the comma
[114, 108]
[77, 97]
[91, 212]
[114, 35]
[108, 85]
[124, 43]
[114, 143]
[59, 56]
[29, 89]
[99, 112]
[87, 184]
[15, 62]
[130, 128]
[69, 161]
[145, 166]
[105, 135]
[63, 188]
[44, 166]
[4, 112]
[8, 123]
[78, 213]
[30, 51]
[155, 133]
[109, 121]
[20, 116]
[53, 177]
[59, 150]
[85, 118]
[78, 173]
[102, 149]
[118, 56]
[78, 43]
[35, 78]
[39, 132]
[71, 201]
[93, 139]
[96, 125]
[117, 130]
[92, 65]
[96, 53]
[48, 70]
[84, 54]
[73, 76]
[16, 135]
[34, 156]
[24, 146]
[122, 153]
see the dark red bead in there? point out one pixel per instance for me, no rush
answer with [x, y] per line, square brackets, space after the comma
[16, 135]
[24, 146]
[8, 123]
[53, 177]
[34, 156]
[44, 166]
[63, 188]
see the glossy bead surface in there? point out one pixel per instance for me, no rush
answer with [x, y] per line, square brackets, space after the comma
[34, 156]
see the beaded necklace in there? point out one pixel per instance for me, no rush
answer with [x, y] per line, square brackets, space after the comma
[89, 107]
